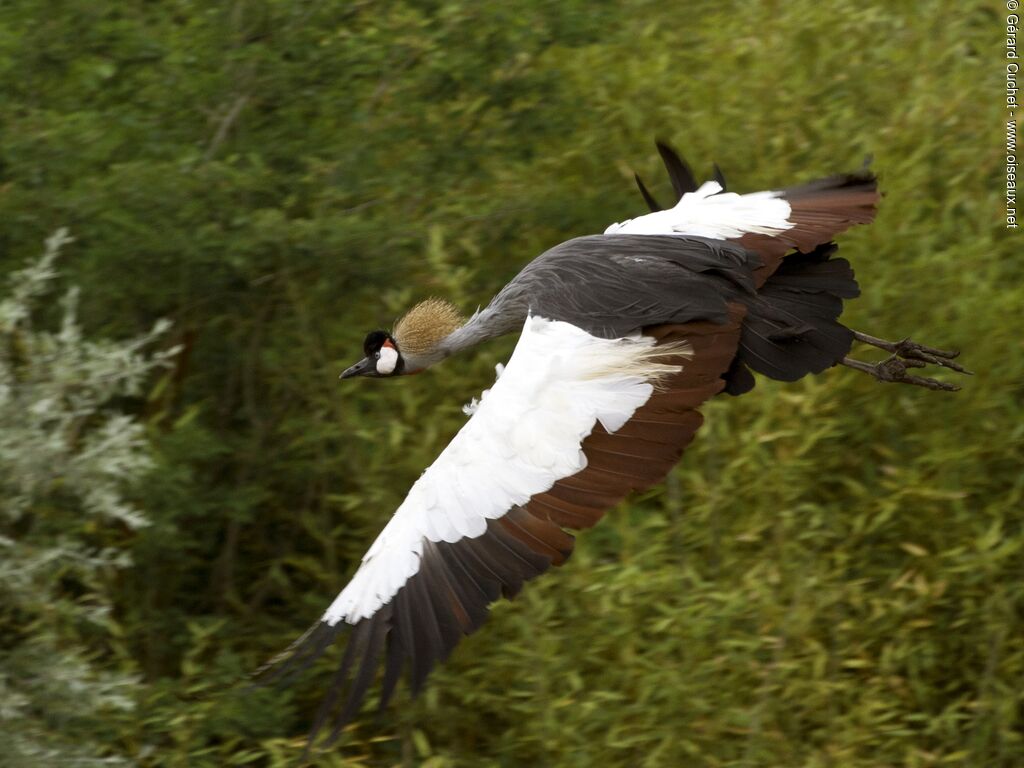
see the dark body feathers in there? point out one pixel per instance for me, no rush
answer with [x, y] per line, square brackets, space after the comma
[790, 282]
[614, 285]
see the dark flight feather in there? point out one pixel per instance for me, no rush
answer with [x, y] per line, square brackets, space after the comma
[793, 328]
[720, 178]
[678, 171]
[652, 204]
[820, 210]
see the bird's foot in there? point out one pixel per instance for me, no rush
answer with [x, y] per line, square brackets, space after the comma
[904, 355]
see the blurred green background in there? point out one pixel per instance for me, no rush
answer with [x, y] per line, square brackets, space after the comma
[833, 575]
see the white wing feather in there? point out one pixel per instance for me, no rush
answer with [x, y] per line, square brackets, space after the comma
[711, 213]
[524, 435]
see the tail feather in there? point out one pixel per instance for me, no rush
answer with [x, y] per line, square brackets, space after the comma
[819, 210]
[792, 326]
[653, 204]
[770, 223]
[720, 178]
[678, 171]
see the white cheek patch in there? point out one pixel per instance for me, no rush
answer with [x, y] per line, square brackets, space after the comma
[387, 361]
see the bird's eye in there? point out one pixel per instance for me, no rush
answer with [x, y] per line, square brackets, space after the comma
[376, 355]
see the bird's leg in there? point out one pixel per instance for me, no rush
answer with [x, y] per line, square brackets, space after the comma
[904, 355]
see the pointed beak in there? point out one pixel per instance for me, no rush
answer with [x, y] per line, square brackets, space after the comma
[364, 367]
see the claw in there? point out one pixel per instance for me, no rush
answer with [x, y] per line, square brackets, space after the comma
[894, 369]
[908, 349]
[909, 346]
[904, 355]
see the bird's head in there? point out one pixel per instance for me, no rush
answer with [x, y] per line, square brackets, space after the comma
[381, 358]
[415, 343]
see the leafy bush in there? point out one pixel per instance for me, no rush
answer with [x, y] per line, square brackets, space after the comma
[67, 461]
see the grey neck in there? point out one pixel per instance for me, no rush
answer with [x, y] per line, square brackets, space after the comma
[486, 324]
[505, 314]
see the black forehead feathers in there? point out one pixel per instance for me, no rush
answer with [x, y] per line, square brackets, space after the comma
[374, 341]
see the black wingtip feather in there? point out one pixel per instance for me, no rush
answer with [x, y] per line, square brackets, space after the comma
[393, 664]
[420, 626]
[678, 171]
[436, 588]
[363, 677]
[408, 633]
[356, 642]
[298, 656]
[720, 178]
[427, 642]
[648, 197]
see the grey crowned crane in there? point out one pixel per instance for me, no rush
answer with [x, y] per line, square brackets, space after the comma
[623, 336]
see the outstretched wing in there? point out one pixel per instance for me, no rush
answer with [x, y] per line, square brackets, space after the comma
[573, 424]
[770, 223]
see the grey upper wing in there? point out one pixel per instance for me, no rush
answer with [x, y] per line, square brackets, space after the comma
[612, 285]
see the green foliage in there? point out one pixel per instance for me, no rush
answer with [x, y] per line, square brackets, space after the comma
[831, 577]
[66, 461]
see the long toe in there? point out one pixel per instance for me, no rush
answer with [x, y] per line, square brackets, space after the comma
[895, 369]
[909, 349]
